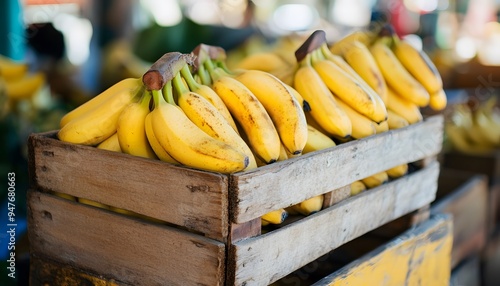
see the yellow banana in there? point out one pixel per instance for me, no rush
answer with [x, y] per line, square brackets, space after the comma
[380, 112]
[459, 140]
[398, 171]
[346, 88]
[302, 102]
[362, 61]
[263, 61]
[357, 187]
[11, 70]
[316, 140]
[99, 123]
[250, 113]
[125, 84]
[382, 127]
[160, 152]
[396, 121]
[375, 180]
[418, 64]
[208, 93]
[275, 217]
[362, 126]
[111, 144]
[345, 43]
[131, 128]
[24, 87]
[187, 143]
[402, 107]
[204, 115]
[397, 76]
[438, 100]
[92, 203]
[285, 111]
[309, 206]
[324, 108]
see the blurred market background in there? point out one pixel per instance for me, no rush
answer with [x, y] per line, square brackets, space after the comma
[80, 47]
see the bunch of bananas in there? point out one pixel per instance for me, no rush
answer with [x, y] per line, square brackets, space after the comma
[473, 127]
[17, 83]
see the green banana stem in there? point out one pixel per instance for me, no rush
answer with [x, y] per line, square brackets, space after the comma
[179, 85]
[222, 64]
[306, 61]
[146, 99]
[215, 72]
[168, 93]
[188, 77]
[204, 75]
[325, 51]
[157, 97]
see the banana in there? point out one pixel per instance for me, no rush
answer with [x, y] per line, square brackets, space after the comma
[309, 206]
[380, 111]
[459, 140]
[402, 107]
[396, 121]
[285, 111]
[357, 187]
[263, 61]
[209, 94]
[397, 76]
[375, 180]
[382, 127]
[111, 144]
[346, 88]
[438, 100]
[398, 171]
[99, 123]
[11, 70]
[362, 126]
[275, 217]
[363, 36]
[316, 140]
[324, 108]
[206, 116]
[125, 84]
[24, 87]
[359, 57]
[92, 203]
[302, 102]
[418, 64]
[160, 152]
[249, 112]
[187, 143]
[131, 128]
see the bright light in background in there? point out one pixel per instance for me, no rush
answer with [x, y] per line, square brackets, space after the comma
[77, 34]
[420, 6]
[490, 45]
[165, 12]
[353, 13]
[465, 48]
[204, 12]
[295, 17]
[414, 40]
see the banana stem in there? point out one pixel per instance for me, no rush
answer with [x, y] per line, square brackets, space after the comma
[306, 61]
[168, 94]
[179, 85]
[204, 75]
[188, 77]
[157, 97]
[146, 99]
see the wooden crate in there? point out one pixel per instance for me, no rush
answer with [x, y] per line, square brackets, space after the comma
[206, 228]
[419, 256]
[491, 261]
[463, 195]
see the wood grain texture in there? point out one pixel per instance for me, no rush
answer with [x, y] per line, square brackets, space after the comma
[420, 256]
[121, 248]
[336, 196]
[194, 199]
[275, 254]
[285, 183]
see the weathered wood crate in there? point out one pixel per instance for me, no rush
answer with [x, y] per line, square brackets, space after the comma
[205, 227]
[419, 256]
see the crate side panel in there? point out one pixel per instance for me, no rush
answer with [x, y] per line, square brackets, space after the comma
[280, 252]
[292, 181]
[421, 256]
[129, 250]
[194, 199]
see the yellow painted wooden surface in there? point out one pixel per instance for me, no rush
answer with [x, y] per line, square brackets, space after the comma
[421, 256]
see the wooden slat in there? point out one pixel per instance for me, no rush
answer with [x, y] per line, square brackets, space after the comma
[277, 253]
[420, 256]
[274, 186]
[468, 205]
[121, 248]
[186, 197]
